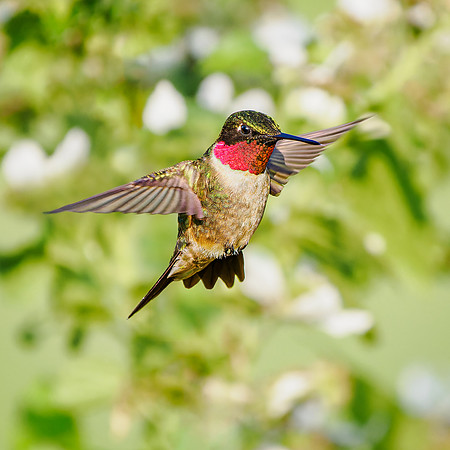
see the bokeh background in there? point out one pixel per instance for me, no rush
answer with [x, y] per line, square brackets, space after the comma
[339, 337]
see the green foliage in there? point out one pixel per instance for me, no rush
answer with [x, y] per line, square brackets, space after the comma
[197, 368]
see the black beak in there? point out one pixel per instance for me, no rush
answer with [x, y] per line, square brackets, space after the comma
[295, 138]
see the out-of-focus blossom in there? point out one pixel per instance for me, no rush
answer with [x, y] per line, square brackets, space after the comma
[346, 434]
[322, 164]
[326, 72]
[376, 127]
[316, 304]
[216, 92]
[120, 422]
[421, 15]
[165, 109]
[315, 104]
[310, 415]
[347, 322]
[286, 391]
[218, 390]
[322, 306]
[374, 243]
[422, 393]
[202, 41]
[72, 152]
[26, 164]
[264, 281]
[284, 38]
[277, 213]
[368, 11]
[162, 59]
[442, 39]
[272, 447]
[257, 99]
[7, 9]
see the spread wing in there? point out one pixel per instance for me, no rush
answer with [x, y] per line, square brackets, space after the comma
[161, 192]
[289, 157]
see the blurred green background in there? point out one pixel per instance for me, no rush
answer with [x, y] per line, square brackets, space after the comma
[339, 337]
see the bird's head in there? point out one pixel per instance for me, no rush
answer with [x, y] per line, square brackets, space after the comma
[247, 140]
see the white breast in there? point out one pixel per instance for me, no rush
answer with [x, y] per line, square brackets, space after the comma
[241, 182]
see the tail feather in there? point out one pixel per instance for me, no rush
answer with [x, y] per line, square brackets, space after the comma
[163, 281]
[225, 268]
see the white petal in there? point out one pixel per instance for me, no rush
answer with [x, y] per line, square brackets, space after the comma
[284, 38]
[315, 104]
[374, 243]
[24, 165]
[7, 10]
[367, 11]
[264, 281]
[165, 109]
[316, 304]
[347, 322]
[71, 153]
[288, 388]
[202, 41]
[421, 15]
[256, 99]
[218, 390]
[310, 415]
[272, 447]
[419, 390]
[216, 92]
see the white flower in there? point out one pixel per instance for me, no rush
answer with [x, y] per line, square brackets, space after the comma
[163, 59]
[216, 92]
[256, 99]
[310, 415]
[317, 304]
[326, 71]
[347, 322]
[315, 104]
[322, 164]
[421, 15]
[374, 243]
[368, 11]
[286, 391]
[284, 38]
[7, 10]
[24, 164]
[376, 127]
[217, 390]
[165, 109]
[202, 41]
[420, 391]
[272, 447]
[71, 152]
[264, 281]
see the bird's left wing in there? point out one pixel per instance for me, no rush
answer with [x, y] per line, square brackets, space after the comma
[289, 156]
[163, 192]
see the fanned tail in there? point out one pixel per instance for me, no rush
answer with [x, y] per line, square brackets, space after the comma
[225, 268]
[163, 281]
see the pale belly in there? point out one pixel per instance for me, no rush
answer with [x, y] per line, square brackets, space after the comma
[232, 215]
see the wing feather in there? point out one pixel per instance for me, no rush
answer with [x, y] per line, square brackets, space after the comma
[164, 192]
[289, 156]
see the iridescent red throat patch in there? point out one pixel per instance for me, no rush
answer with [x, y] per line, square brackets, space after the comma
[246, 156]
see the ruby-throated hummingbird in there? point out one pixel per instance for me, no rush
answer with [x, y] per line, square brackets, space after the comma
[220, 198]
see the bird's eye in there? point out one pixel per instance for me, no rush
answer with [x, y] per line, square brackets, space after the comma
[245, 130]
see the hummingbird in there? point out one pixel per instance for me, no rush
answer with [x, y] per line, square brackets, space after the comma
[220, 197]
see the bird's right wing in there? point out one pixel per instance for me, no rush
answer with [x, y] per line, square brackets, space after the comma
[163, 192]
[289, 156]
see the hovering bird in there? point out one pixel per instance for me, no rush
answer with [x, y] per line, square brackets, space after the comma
[220, 198]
